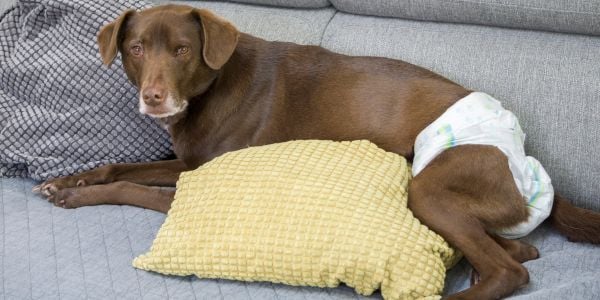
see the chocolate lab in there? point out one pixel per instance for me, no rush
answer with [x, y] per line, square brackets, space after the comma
[217, 90]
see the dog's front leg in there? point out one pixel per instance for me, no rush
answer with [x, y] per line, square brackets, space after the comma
[120, 192]
[160, 173]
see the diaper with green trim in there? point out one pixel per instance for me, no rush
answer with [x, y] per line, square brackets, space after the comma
[479, 119]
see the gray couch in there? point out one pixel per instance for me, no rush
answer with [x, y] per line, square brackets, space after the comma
[540, 58]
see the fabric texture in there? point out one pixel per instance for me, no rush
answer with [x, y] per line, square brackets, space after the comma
[61, 111]
[480, 119]
[576, 16]
[309, 212]
[548, 80]
[48, 252]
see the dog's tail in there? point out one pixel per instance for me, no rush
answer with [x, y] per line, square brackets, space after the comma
[577, 224]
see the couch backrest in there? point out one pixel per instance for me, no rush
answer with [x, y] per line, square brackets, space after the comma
[549, 80]
[572, 16]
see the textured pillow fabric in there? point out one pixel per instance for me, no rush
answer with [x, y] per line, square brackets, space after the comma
[61, 110]
[311, 213]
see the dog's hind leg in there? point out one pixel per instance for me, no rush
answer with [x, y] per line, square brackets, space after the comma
[462, 195]
[518, 250]
[500, 273]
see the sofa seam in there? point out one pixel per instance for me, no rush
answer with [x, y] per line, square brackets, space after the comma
[327, 25]
[3, 229]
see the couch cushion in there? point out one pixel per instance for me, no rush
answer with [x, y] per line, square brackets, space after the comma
[47, 250]
[303, 26]
[576, 16]
[564, 270]
[549, 80]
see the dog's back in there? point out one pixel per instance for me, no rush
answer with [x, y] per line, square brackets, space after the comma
[307, 92]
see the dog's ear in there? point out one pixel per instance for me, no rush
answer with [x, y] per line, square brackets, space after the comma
[220, 38]
[110, 36]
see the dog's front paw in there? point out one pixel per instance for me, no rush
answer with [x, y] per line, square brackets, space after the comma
[50, 188]
[69, 198]
[75, 197]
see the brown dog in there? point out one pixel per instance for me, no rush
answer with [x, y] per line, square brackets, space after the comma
[218, 90]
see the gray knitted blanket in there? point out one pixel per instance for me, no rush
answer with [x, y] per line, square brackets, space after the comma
[61, 110]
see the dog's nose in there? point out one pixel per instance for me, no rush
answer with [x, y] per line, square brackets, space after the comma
[154, 96]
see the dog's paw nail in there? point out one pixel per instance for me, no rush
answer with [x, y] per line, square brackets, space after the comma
[49, 190]
[37, 188]
[46, 192]
[475, 277]
[61, 202]
[81, 182]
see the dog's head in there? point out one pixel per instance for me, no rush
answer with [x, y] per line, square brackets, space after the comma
[171, 53]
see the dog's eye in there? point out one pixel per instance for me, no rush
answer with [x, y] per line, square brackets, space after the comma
[137, 50]
[182, 50]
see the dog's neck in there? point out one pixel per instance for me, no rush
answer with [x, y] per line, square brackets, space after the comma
[228, 114]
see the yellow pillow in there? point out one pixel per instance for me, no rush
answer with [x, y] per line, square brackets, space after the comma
[313, 213]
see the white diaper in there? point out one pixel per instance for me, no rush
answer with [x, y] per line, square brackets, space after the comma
[480, 119]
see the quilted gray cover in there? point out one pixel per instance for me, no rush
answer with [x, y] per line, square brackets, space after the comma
[86, 253]
[52, 253]
[61, 111]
